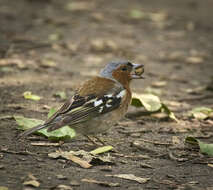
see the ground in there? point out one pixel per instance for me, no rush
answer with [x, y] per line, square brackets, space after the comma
[49, 46]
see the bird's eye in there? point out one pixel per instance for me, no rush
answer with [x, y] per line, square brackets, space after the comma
[124, 68]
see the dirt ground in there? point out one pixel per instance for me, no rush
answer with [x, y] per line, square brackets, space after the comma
[49, 46]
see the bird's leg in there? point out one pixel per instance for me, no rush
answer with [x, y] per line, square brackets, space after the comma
[91, 140]
[99, 140]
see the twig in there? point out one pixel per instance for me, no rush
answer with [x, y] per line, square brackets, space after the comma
[20, 152]
[45, 144]
[172, 157]
[135, 131]
[156, 142]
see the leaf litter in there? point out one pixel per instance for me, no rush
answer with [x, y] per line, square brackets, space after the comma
[205, 148]
[131, 177]
[152, 104]
[85, 159]
[63, 133]
[102, 183]
[30, 96]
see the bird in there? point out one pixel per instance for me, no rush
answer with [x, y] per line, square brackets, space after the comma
[98, 103]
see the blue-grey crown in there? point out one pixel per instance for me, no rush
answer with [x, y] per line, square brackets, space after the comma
[110, 67]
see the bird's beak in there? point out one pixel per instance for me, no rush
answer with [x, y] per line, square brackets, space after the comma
[137, 71]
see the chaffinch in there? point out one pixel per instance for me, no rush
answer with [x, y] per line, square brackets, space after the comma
[99, 102]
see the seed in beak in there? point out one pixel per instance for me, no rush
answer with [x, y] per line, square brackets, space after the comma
[139, 71]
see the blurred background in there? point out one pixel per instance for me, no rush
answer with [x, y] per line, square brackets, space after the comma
[50, 46]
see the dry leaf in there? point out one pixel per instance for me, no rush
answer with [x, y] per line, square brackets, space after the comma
[70, 156]
[131, 177]
[79, 6]
[103, 183]
[77, 160]
[33, 183]
[210, 165]
[47, 63]
[159, 83]
[175, 140]
[64, 187]
[194, 60]
[10, 62]
[100, 45]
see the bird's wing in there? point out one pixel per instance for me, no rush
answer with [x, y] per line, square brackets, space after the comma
[86, 105]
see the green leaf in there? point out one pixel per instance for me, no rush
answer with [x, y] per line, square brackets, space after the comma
[101, 150]
[136, 14]
[150, 102]
[61, 94]
[204, 147]
[201, 112]
[136, 102]
[170, 114]
[30, 96]
[26, 123]
[63, 133]
[3, 188]
[51, 112]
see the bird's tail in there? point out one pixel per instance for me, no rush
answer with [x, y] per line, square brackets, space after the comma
[32, 130]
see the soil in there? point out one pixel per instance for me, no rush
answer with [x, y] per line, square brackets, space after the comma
[50, 46]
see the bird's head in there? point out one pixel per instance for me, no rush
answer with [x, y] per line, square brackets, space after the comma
[123, 71]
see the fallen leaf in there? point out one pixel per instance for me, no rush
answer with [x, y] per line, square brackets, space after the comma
[77, 160]
[55, 37]
[155, 17]
[33, 183]
[194, 60]
[103, 45]
[63, 133]
[11, 62]
[201, 112]
[79, 6]
[3, 188]
[204, 147]
[61, 94]
[175, 140]
[70, 156]
[102, 183]
[152, 103]
[137, 14]
[51, 112]
[159, 83]
[6, 117]
[143, 165]
[131, 177]
[149, 101]
[210, 165]
[31, 176]
[171, 115]
[87, 158]
[48, 63]
[64, 187]
[30, 96]
[74, 183]
[60, 176]
[101, 150]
